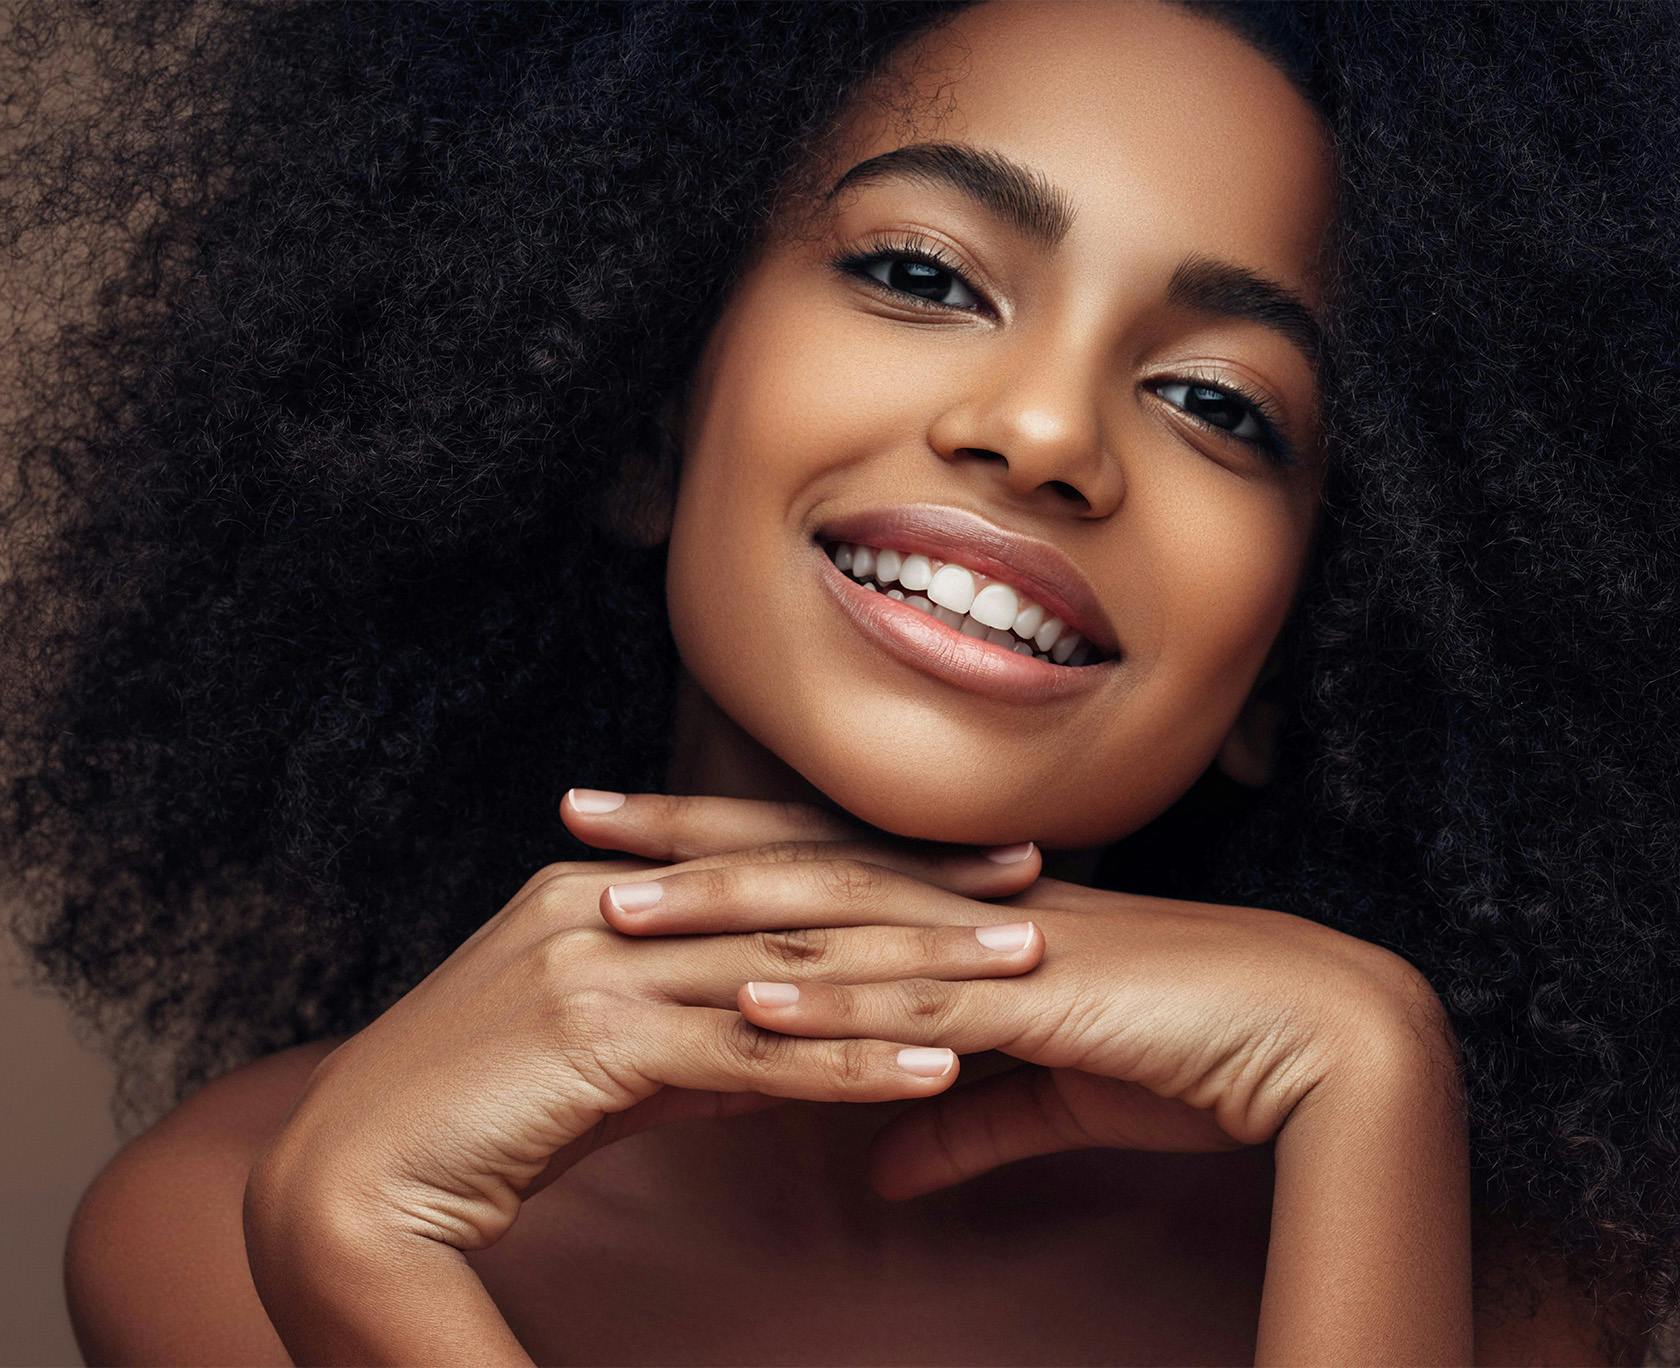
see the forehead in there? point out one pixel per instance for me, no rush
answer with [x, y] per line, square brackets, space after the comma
[1168, 132]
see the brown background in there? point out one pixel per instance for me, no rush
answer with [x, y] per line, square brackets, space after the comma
[56, 1136]
[56, 1132]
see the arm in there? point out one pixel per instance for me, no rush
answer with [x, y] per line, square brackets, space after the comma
[1369, 1256]
[337, 1295]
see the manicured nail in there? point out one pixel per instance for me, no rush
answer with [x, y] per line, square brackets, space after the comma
[634, 897]
[1010, 854]
[773, 994]
[594, 801]
[918, 1059]
[1012, 936]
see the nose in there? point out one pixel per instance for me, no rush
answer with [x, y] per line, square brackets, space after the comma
[1038, 427]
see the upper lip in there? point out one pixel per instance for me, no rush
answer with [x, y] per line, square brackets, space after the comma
[1035, 567]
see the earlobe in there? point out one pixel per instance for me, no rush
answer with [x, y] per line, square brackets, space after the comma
[1248, 755]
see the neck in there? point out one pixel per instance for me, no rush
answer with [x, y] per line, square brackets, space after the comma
[711, 755]
[721, 1165]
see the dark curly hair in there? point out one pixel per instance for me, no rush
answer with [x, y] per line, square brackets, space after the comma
[310, 616]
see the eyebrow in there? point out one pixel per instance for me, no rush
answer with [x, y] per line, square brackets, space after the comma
[1043, 212]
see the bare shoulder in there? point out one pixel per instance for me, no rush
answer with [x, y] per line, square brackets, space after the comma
[154, 1266]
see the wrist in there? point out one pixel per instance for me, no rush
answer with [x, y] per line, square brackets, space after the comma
[341, 1284]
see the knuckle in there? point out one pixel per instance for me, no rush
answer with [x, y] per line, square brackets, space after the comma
[807, 948]
[564, 960]
[791, 852]
[555, 895]
[591, 1007]
[682, 813]
[591, 1018]
[852, 1063]
[935, 944]
[759, 1050]
[926, 1000]
[718, 884]
[597, 1035]
[850, 882]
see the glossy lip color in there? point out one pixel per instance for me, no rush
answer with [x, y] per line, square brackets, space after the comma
[928, 645]
[1036, 568]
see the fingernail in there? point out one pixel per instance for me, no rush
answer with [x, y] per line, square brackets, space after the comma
[918, 1059]
[634, 897]
[594, 800]
[773, 994]
[1012, 936]
[1010, 854]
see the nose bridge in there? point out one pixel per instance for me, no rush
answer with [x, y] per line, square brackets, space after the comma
[1033, 413]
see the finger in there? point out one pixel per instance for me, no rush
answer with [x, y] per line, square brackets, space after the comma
[716, 1050]
[968, 1015]
[969, 1131]
[672, 827]
[705, 831]
[840, 890]
[709, 972]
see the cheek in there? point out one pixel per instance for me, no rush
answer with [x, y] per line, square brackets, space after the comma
[1226, 564]
[789, 388]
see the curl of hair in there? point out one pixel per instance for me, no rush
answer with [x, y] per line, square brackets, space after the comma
[358, 312]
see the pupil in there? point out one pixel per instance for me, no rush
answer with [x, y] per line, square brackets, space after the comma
[1202, 399]
[917, 277]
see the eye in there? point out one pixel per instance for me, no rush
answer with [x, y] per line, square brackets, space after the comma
[916, 271]
[1231, 412]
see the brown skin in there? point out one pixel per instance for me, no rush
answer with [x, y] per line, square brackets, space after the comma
[563, 1026]
[816, 395]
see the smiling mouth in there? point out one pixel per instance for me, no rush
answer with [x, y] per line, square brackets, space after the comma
[974, 604]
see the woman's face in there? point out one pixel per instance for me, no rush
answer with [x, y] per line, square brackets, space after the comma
[1045, 379]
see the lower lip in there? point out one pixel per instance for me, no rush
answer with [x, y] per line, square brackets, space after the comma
[930, 646]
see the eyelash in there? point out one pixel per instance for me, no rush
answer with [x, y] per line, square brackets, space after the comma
[1275, 446]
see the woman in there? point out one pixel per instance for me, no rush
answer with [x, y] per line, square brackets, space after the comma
[1087, 296]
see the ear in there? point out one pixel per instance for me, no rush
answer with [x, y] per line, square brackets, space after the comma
[1249, 752]
[637, 507]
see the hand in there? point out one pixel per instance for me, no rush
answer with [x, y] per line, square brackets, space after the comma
[666, 828]
[546, 1034]
[1155, 1023]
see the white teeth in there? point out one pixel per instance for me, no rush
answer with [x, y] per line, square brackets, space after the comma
[996, 605]
[916, 572]
[975, 605]
[953, 588]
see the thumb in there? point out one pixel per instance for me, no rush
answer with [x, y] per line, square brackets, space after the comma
[962, 1133]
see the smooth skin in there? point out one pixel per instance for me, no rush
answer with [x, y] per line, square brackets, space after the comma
[157, 1259]
[1306, 1076]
